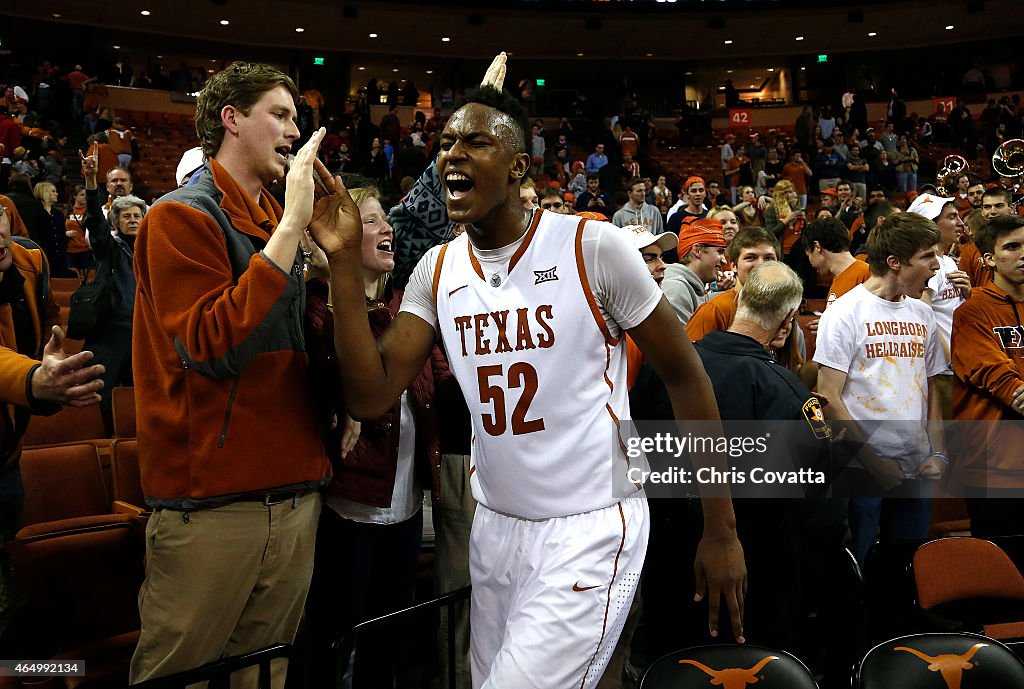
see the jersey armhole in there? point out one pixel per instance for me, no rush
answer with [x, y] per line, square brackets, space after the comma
[437, 273]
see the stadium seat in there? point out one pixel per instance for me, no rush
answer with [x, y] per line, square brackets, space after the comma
[64, 489]
[961, 660]
[64, 284]
[949, 518]
[122, 401]
[128, 494]
[84, 583]
[69, 425]
[969, 584]
[730, 666]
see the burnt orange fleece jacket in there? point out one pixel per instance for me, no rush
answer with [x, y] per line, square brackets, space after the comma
[221, 380]
[988, 363]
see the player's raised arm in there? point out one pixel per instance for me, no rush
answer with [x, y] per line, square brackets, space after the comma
[373, 374]
[719, 567]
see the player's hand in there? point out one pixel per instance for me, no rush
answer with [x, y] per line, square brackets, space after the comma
[495, 74]
[350, 435]
[66, 380]
[931, 468]
[812, 326]
[336, 225]
[300, 187]
[721, 573]
[962, 281]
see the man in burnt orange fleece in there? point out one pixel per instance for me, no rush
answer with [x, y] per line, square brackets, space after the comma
[988, 390]
[229, 445]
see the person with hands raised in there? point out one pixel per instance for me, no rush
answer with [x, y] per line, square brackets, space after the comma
[544, 456]
[110, 339]
[229, 440]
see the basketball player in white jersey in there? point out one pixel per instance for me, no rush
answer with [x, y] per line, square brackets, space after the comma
[532, 307]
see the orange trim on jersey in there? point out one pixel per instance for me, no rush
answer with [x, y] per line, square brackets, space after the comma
[526, 241]
[437, 273]
[618, 431]
[475, 263]
[472, 470]
[607, 365]
[585, 283]
[608, 601]
[634, 360]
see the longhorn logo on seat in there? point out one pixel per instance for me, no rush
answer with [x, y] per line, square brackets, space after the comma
[949, 665]
[733, 677]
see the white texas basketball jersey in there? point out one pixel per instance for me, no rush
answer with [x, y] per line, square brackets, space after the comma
[543, 377]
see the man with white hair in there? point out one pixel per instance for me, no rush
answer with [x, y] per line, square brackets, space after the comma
[761, 395]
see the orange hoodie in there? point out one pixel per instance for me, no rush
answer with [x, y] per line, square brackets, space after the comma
[988, 364]
[973, 264]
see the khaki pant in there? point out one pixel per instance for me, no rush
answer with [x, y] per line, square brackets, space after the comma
[221, 582]
[453, 518]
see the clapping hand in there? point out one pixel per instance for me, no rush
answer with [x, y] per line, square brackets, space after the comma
[66, 380]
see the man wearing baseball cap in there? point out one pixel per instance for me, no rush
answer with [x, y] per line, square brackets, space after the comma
[948, 288]
[651, 247]
[701, 252]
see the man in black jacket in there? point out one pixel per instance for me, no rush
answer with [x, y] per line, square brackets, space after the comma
[790, 543]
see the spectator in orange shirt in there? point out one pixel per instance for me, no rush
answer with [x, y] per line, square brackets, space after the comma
[315, 100]
[797, 171]
[77, 79]
[629, 142]
[827, 244]
[79, 252]
[120, 140]
[105, 155]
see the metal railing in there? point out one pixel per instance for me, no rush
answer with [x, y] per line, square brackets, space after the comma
[342, 648]
[218, 673]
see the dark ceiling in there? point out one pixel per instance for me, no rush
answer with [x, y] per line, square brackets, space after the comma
[576, 30]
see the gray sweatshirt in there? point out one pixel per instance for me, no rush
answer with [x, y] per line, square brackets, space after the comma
[684, 290]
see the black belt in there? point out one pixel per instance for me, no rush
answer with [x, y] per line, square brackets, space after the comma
[271, 498]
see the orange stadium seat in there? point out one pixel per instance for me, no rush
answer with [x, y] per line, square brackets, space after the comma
[69, 425]
[969, 584]
[64, 489]
[123, 407]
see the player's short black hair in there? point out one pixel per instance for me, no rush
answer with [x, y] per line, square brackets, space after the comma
[830, 233]
[996, 228]
[504, 102]
[1001, 192]
[878, 209]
